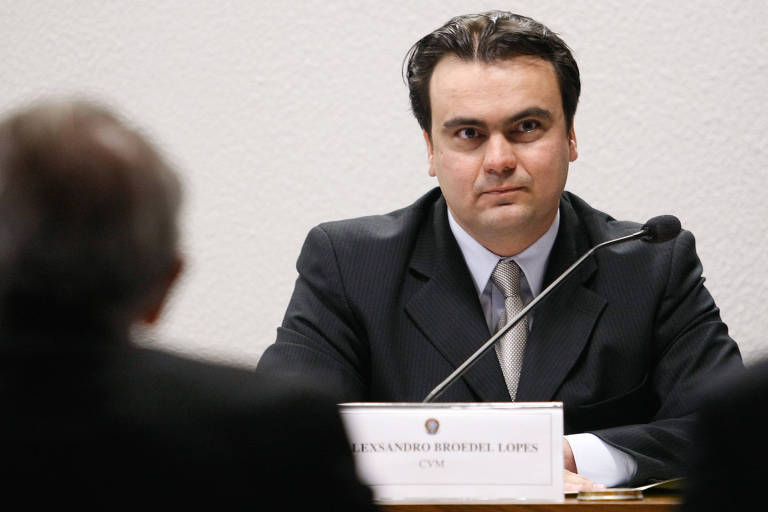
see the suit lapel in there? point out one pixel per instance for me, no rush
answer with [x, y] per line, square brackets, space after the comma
[446, 308]
[564, 321]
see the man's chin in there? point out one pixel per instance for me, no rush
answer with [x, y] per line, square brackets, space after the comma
[510, 230]
[507, 218]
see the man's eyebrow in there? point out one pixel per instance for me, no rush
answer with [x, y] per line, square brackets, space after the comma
[464, 121]
[536, 112]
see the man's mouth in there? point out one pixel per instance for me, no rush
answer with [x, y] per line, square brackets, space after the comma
[502, 190]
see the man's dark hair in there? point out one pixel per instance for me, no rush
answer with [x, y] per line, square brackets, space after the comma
[487, 37]
[87, 216]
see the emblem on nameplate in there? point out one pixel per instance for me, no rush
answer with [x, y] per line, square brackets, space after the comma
[432, 426]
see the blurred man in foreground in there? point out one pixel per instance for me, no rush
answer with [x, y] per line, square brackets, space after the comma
[727, 456]
[88, 248]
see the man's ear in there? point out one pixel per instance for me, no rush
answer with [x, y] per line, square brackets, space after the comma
[155, 305]
[572, 145]
[430, 153]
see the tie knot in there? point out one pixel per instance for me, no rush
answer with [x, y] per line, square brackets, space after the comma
[506, 276]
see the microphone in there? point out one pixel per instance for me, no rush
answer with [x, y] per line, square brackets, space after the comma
[661, 228]
[656, 230]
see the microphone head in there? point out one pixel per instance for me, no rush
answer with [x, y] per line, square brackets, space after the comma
[661, 228]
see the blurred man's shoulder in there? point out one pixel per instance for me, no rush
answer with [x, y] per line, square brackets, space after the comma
[208, 382]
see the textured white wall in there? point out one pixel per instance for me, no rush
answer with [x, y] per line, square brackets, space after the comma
[286, 114]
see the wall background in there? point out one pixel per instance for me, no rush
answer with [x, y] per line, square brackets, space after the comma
[282, 117]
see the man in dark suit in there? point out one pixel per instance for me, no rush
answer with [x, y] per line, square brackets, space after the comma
[386, 307]
[88, 248]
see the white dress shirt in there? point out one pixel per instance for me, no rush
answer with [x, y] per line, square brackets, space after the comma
[595, 459]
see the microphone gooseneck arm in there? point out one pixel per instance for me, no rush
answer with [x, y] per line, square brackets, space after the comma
[471, 360]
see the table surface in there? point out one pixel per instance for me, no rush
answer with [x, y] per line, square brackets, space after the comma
[650, 503]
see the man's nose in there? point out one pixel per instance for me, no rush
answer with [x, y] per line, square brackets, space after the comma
[499, 155]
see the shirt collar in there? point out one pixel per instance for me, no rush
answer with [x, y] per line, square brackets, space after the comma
[481, 262]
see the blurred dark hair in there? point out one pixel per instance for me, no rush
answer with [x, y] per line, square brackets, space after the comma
[487, 37]
[88, 214]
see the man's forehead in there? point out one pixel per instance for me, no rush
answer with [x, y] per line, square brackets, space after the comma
[511, 84]
[452, 72]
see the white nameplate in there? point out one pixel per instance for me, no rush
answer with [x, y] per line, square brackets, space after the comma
[458, 452]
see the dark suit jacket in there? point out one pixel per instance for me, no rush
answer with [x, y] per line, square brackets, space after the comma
[729, 450]
[385, 308]
[119, 425]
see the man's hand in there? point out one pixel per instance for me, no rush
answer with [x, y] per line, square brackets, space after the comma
[575, 482]
[569, 462]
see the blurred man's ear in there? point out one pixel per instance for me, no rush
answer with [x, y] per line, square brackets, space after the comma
[155, 307]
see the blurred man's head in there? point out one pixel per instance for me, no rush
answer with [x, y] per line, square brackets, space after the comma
[87, 219]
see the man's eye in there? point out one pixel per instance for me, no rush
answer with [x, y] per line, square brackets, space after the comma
[468, 133]
[528, 126]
